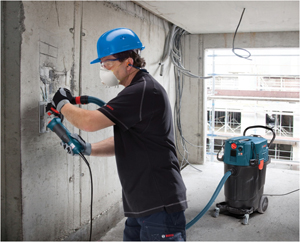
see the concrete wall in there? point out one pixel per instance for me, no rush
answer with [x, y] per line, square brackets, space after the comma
[45, 192]
[194, 116]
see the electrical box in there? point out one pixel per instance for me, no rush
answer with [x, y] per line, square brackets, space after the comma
[42, 117]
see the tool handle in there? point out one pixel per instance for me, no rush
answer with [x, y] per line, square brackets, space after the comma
[57, 127]
[264, 127]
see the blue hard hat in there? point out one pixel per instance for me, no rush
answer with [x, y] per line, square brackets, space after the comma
[115, 41]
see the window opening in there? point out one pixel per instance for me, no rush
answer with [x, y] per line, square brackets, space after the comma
[283, 125]
[244, 93]
[281, 152]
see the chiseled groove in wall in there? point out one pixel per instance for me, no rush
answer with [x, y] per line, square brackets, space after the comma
[57, 15]
[80, 51]
[75, 89]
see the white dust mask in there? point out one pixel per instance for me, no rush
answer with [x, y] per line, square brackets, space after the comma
[108, 78]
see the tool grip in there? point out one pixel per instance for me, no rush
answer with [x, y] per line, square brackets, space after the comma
[80, 100]
[61, 133]
[84, 99]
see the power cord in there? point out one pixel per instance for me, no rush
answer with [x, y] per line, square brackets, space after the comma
[278, 195]
[233, 48]
[91, 210]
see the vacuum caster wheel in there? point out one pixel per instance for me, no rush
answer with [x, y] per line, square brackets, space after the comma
[263, 204]
[216, 212]
[245, 219]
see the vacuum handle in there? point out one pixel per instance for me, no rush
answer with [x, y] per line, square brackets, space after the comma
[264, 127]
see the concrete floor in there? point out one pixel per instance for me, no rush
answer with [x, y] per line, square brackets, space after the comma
[279, 223]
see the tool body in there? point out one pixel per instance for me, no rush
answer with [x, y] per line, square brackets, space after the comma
[64, 134]
[71, 143]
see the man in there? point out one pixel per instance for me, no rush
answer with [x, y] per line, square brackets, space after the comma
[154, 195]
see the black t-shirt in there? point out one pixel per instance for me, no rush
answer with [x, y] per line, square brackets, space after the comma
[144, 147]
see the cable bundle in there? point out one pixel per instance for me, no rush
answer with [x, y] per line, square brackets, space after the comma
[173, 49]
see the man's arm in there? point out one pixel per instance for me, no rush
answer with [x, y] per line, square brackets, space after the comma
[86, 120]
[104, 148]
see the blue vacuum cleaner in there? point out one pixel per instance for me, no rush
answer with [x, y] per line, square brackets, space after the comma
[247, 158]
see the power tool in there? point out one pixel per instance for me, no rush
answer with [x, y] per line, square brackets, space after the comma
[71, 143]
[62, 132]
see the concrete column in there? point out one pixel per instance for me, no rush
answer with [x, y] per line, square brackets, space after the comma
[296, 133]
[11, 192]
[193, 119]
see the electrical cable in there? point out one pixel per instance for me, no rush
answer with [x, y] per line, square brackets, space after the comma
[43, 94]
[233, 48]
[278, 195]
[175, 53]
[174, 49]
[91, 210]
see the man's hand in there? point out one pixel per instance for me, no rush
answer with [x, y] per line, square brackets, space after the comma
[87, 148]
[61, 97]
[50, 110]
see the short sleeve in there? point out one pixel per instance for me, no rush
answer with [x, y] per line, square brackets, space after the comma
[125, 110]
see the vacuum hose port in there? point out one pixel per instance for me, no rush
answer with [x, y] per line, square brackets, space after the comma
[233, 171]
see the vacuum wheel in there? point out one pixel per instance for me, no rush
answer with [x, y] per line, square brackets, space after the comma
[263, 204]
[216, 212]
[245, 220]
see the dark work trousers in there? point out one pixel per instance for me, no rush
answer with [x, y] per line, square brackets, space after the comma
[158, 226]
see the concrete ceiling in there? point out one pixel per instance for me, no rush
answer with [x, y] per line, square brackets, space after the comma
[199, 17]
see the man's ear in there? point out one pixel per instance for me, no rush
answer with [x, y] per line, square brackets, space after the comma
[129, 63]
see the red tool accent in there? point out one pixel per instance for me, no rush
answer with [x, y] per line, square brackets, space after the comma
[54, 110]
[261, 164]
[77, 100]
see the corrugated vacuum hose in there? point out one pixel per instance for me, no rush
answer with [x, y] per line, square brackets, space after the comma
[213, 198]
